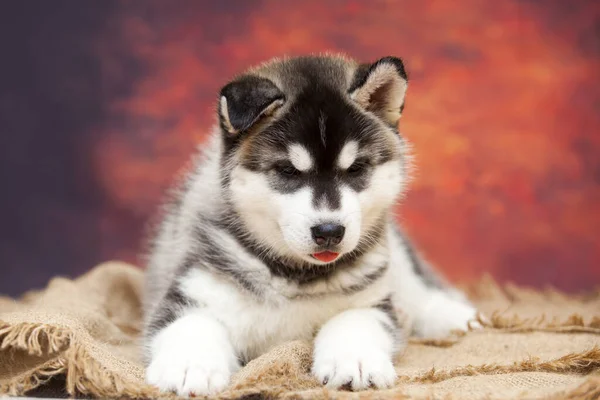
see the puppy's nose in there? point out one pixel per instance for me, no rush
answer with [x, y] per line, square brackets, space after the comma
[327, 234]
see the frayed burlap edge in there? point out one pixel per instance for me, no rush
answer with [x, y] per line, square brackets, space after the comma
[34, 378]
[573, 324]
[576, 363]
[84, 376]
[35, 339]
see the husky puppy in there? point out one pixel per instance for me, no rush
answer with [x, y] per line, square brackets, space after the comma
[284, 230]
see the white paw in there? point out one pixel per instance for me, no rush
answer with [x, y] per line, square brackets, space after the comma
[443, 314]
[192, 356]
[188, 373]
[358, 368]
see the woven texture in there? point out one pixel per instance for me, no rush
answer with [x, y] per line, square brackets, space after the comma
[83, 336]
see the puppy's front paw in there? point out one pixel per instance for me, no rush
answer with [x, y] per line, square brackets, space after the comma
[443, 314]
[357, 368]
[192, 356]
[189, 372]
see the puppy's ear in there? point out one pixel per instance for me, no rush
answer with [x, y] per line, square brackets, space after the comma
[380, 88]
[245, 100]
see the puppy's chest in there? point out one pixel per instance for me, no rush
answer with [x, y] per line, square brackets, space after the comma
[255, 326]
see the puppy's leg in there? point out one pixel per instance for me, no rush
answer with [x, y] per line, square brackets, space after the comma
[441, 313]
[440, 308]
[356, 348]
[434, 306]
[192, 355]
[435, 311]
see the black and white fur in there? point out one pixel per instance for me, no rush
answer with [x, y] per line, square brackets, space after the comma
[300, 142]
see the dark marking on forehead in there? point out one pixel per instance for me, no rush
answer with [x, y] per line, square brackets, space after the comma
[320, 117]
[322, 130]
[323, 121]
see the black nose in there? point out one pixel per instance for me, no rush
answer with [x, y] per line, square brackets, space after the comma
[327, 234]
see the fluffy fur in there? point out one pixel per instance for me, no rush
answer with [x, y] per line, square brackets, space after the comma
[306, 160]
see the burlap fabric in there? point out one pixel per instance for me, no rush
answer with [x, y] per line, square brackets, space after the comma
[84, 335]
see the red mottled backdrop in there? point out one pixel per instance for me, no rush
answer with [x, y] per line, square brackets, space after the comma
[101, 103]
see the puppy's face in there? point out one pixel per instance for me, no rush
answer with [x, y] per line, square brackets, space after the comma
[314, 172]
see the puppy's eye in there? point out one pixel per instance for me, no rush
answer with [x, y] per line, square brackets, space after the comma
[286, 170]
[358, 167]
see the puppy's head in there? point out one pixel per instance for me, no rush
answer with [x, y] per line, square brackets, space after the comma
[312, 155]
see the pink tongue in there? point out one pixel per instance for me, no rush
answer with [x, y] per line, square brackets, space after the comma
[326, 256]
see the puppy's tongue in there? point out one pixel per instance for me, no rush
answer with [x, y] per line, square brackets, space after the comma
[326, 256]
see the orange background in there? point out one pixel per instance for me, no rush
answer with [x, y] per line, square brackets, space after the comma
[503, 110]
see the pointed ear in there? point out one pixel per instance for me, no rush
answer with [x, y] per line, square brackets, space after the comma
[380, 88]
[245, 100]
